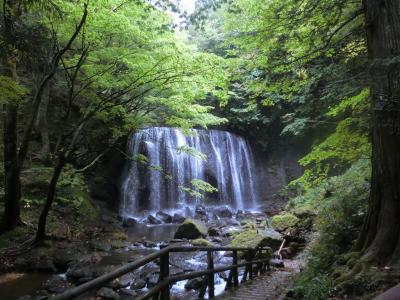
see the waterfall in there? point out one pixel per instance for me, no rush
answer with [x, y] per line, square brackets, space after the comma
[157, 184]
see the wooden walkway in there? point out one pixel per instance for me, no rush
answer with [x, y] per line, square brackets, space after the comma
[266, 287]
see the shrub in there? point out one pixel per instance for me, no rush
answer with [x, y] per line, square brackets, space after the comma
[341, 203]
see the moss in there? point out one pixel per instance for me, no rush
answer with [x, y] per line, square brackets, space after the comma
[285, 221]
[202, 242]
[249, 225]
[256, 238]
[119, 235]
[191, 229]
[201, 226]
[252, 239]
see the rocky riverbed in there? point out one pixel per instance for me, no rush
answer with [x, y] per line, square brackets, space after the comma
[61, 264]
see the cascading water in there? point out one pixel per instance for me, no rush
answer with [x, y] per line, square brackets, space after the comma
[157, 185]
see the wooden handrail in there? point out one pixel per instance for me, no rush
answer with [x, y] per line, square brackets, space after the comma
[162, 290]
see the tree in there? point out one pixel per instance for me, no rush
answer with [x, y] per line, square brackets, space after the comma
[15, 153]
[119, 79]
[380, 236]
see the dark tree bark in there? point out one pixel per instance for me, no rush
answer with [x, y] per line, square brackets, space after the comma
[12, 185]
[12, 188]
[380, 236]
[51, 194]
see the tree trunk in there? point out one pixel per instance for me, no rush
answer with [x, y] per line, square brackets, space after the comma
[12, 184]
[380, 236]
[11, 214]
[51, 193]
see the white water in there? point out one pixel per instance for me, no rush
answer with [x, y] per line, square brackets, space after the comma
[229, 167]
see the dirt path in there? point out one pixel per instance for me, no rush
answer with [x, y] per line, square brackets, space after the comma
[266, 287]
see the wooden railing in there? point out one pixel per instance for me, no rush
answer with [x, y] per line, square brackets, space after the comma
[255, 261]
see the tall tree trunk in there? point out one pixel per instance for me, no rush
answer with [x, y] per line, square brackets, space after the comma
[380, 237]
[11, 215]
[51, 193]
[12, 184]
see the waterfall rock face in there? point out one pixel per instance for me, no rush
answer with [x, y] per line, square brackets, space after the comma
[157, 184]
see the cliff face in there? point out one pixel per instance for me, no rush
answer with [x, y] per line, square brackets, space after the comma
[275, 169]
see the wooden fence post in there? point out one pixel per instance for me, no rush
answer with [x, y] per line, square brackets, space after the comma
[164, 274]
[210, 266]
[251, 265]
[235, 272]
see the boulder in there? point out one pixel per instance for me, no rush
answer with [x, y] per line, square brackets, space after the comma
[129, 222]
[80, 270]
[153, 220]
[216, 239]
[41, 295]
[224, 212]
[152, 279]
[56, 284]
[127, 294]
[194, 284]
[239, 214]
[138, 284]
[166, 218]
[107, 293]
[254, 238]
[178, 219]
[284, 221]
[149, 244]
[214, 231]
[191, 229]
[200, 210]
[120, 282]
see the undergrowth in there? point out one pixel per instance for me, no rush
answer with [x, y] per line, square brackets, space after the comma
[340, 203]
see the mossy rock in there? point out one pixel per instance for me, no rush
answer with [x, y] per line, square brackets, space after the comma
[248, 225]
[254, 238]
[284, 221]
[191, 229]
[202, 242]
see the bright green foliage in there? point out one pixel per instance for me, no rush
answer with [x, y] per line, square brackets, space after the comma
[346, 145]
[192, 152]
[341, 204]
[198, 188]
[136, 71]
[10, 91]
[72, 191]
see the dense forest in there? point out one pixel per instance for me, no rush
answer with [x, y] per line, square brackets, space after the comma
[252, 123]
